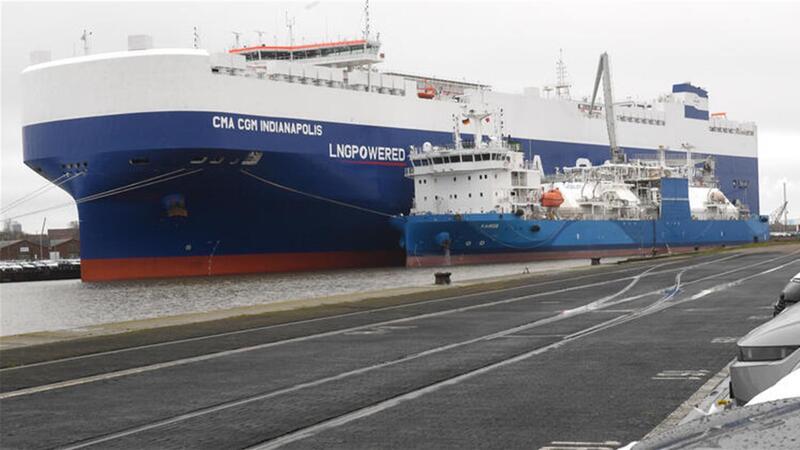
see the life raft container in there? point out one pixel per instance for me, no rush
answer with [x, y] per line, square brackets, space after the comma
[552, 198]
[429, 92]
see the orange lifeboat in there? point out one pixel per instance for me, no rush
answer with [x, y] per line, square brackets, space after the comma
[429, 92]
[552, 198]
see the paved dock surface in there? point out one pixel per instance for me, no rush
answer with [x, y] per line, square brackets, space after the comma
[595, 357]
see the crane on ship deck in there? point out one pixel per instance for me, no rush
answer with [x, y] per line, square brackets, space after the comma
[604, 73]
[780, 212]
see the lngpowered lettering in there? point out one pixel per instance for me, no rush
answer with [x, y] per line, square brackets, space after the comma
[366, 152]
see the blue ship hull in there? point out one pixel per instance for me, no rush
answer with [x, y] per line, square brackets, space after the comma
[444, 239]
[313, 211]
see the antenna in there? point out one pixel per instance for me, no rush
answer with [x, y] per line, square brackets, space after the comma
[85, 39]
[562, 84]
[260, 34]
[290, 27]
[366, 20]
[237, 34]
[195, 37]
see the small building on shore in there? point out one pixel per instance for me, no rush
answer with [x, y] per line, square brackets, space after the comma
[20, 250]
[69, 248]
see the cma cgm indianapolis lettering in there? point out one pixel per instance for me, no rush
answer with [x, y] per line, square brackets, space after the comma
[266, 125]
[338, 151]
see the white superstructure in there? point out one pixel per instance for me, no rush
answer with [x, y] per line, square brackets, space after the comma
[196, 80]
[476, 176]
[494, 177]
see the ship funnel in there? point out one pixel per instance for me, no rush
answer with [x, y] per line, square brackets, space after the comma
[40, 56]
[140, 42]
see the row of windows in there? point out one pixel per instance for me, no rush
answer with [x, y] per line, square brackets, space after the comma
[304, 54]
[642, 120]
[732, 131]
[455, 196]
[461, 158]
[455, 179]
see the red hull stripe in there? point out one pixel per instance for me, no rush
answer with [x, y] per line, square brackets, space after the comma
[190, 266]
[455, 260]
[379, 163]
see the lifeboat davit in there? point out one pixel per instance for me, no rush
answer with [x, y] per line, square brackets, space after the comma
[552, 198]
[429, 92]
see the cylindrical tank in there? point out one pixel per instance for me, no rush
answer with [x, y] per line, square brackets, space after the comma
[716, 196]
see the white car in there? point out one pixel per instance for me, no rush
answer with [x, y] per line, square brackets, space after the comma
[766, 354]
[789, 296]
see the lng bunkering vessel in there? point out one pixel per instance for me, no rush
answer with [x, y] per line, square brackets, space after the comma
[481, 201]
[280, 158]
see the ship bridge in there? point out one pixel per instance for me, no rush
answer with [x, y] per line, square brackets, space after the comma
[343, 54]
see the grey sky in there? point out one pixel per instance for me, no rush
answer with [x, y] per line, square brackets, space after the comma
[747, 54]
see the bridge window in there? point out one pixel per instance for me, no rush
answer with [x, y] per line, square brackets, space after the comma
[466, 158]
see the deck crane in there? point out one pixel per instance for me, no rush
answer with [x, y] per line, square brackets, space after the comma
[604, 72]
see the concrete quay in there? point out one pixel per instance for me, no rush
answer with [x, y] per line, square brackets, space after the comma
[595, 357]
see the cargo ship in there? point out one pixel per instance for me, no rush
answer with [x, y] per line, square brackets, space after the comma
[482, 201]
[185, 162]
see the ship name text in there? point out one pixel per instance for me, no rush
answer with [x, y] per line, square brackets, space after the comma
[266, 125]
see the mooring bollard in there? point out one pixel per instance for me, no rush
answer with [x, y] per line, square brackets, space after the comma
[596, 261]
[442, 277]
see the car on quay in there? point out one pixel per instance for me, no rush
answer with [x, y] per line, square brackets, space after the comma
[765, 355]
[789, 296]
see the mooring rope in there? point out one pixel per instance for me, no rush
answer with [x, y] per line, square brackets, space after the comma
[115, 191]
[314, 196]
[40, 190]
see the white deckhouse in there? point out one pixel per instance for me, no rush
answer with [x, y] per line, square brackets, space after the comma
[474, 177]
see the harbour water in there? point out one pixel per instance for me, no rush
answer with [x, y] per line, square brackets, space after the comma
[52, 305]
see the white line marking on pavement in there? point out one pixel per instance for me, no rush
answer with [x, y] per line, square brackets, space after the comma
[412, 395]
[225, 353]
[360, 328]
[223, 406]
[338, 316]
[577, 445]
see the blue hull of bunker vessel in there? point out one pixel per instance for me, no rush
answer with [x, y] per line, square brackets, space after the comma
[443, 239]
